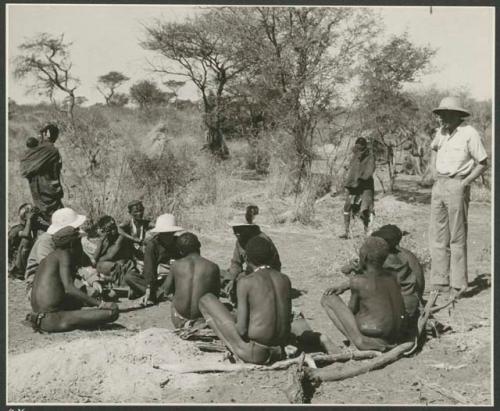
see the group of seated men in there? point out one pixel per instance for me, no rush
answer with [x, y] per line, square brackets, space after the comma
[69, 276]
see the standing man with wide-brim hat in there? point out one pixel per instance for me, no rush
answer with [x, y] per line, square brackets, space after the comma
[458, 158]
[160, 250]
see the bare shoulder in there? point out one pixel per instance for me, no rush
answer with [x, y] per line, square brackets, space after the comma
[357, 282]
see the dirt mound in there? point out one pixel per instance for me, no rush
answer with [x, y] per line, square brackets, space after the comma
[105, 369]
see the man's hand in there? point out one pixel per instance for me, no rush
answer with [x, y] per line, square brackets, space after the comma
[337, 290]
[96, 285]
[146, 300]
[107, 306]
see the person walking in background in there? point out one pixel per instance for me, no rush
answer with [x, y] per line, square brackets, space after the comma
[458, 157]
[41, 165]
[360, 186]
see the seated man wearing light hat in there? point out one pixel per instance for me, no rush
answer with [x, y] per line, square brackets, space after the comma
[458, 157]
[261, 329]
[245, 229]
[44, 245]
[160, 250]
[55, 301]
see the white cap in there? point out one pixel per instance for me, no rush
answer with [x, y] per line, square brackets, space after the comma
[165, 223]
[65, 217]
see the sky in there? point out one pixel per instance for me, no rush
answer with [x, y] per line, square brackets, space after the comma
[106, 38]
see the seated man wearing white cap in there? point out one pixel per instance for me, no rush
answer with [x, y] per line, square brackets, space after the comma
[44, 244]
[245, 229]
[55, 301]
[160, 250]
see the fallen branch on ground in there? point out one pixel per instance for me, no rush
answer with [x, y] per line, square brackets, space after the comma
[331, 373]
[354, 355]
[295, 390]
[221, 367]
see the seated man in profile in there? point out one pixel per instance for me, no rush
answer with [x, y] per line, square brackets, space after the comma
[55, 301]
[262, 327]
[192, 276]
[374, 316]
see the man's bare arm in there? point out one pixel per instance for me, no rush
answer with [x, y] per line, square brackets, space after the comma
[65, 268]
[433, 165]
[476, 172]
[112, 250]
[122, 232]
[170, 281]
[354, 300]
[242, 314]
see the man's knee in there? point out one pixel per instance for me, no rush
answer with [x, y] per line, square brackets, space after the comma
[328, 301]
[115, 313]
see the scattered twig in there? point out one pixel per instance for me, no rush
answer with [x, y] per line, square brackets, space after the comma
[448, 303]
[452, 395]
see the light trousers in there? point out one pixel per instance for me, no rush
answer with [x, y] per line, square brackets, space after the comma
[448, 232]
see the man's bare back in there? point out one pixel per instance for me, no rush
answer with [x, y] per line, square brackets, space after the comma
[48, 293]
[193, 277]
[380, 309]
[264, 299]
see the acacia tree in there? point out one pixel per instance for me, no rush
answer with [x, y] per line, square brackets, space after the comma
[107, 85]
[385, 109]
[147, 94]
[296, 62]
[197, 50]
[46, 60]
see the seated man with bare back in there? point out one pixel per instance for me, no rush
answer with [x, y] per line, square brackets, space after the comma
[374, 317]
[55, 301]
[262, 327]
[192, 276]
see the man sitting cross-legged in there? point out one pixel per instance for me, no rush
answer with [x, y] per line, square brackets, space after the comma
[262, 327]
[191, 277]
[373, 319]
[114, 255]
[55, 301]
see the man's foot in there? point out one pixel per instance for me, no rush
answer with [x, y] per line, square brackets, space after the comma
[133, 295]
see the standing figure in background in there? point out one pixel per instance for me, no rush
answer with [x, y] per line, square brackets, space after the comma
[21, 238]
[458, 157]
[41, 165]
[360, 187]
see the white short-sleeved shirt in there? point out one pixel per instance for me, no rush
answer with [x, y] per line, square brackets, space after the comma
[459, 152]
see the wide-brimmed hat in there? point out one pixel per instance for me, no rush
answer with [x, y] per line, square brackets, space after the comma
[239, 221]
[65, 217]
[165, 223]
[451, 104]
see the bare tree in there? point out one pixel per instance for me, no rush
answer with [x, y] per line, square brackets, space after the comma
[107, 85]
[46, 59]
[197, 50]
[386, 110]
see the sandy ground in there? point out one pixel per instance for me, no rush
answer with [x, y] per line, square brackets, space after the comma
[459, 361]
